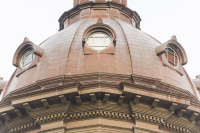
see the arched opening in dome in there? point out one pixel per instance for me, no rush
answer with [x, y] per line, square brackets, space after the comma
[99, 41]
[172, 56]
[27, 58]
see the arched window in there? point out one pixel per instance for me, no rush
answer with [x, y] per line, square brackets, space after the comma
[27, 59]
[171, 56]
[99, 38]
[99, 41]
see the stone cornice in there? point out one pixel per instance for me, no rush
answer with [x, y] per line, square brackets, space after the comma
[84, 85]
[143, 82]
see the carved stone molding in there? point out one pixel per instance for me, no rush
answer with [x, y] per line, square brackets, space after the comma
[52, 117]
[25, 127]
[99, 114]
[175, 127]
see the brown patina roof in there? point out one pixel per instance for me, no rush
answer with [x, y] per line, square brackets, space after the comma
[134, 54]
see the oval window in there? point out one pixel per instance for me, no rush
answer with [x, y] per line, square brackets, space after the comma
[172, 56]
[27, 59]
[99, 41]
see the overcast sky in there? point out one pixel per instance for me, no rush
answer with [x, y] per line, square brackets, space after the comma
[38, 20]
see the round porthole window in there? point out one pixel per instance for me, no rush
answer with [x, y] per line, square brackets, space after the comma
[99, 41]
[27, 59]
[172, 57]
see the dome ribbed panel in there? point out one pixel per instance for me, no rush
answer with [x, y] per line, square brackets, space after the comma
[54, 61]
[146, 63]
[119, 63]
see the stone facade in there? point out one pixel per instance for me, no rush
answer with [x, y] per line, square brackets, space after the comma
[129, 87]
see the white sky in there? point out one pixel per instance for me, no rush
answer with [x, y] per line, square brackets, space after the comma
[38, 19]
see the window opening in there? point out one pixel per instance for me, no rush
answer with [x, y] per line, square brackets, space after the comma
[99, 41]
[171, 56]
[27, 59]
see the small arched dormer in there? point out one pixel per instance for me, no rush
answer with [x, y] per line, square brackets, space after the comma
[99, 38]
[172, 54]
[27, 56]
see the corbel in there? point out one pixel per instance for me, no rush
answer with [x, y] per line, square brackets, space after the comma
[63, 99]
[180, 113]
[121, 100]
[19, 114]
[193, 117]
[45, 103]
[136, 99]
[78, 100]
[172, 107]
[6, 116]
[27, 107]
[155, 103]
[106, 97]
[93, 98]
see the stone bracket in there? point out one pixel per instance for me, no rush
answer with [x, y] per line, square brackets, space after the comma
[180, 113]
[93, 98]
[45, 103]
[136, 99]
[121, 100]
[155, 103]
[6, 116]
[27, 107]
[19, 114]
[172, 107]
[78, 100]
[63, 99]
[106, 97]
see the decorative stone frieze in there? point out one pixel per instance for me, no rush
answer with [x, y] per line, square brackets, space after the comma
[145, 112]
[52, 117]
[98, 114]
[24, 128]
[179, 124]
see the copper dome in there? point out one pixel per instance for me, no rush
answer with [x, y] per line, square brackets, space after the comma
[100, 73]
[134, 53]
